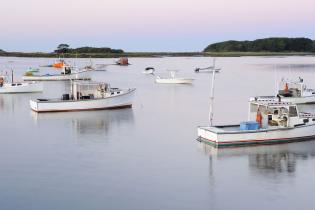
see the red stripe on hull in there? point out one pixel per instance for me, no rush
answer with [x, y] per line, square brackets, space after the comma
[265, 141]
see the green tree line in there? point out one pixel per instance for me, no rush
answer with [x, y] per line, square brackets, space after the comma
[65, 48]
[264, 45]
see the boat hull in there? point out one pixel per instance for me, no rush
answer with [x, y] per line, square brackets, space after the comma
[173, 81]
[24, 87]
[59, 77]
[148, 72]
[263, 136]
[113, 102]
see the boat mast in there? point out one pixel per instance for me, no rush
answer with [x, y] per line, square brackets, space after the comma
[211, 98]
[12, 76]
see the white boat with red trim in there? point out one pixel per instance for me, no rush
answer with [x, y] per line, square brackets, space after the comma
[269, 122]
[86, 95]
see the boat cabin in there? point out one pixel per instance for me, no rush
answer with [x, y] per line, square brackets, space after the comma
[274, 114]
[66, 69]
[84, 90]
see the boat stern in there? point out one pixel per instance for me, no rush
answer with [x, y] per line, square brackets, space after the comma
[208, 135]
[34, 105]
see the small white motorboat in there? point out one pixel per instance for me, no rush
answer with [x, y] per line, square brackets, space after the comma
[86, 95]
[173, 79]
[290, 91]
[68, 73]
[149, 70]
[9, 86]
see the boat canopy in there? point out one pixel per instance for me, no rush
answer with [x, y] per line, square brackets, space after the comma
[82, 89]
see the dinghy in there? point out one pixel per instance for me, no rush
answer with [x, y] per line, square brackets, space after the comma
[149, 70]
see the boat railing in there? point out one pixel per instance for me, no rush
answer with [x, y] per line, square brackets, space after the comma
[306, 115]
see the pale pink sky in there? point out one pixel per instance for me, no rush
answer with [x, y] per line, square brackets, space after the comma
[149, 25]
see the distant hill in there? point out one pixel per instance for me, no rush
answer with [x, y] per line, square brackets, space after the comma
[264, 45]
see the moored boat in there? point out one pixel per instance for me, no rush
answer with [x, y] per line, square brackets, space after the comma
[123, 61]
[149, 70]
[7, 86]
[290, 91]
[86, 95]
[173, 79]
[68, 73]
[208, 69]
[270, 122]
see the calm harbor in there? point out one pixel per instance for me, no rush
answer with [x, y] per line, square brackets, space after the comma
[147, 156]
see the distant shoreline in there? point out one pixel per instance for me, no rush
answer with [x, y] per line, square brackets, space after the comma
[153, 54]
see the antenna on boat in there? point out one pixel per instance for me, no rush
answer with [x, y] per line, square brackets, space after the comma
[211, 99]
[276, 78]
[11, 75]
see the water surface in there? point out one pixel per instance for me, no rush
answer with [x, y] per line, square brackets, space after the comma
[147, 157]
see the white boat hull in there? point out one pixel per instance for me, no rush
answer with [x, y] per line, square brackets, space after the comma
[23, 87]
[214, 136]
[58, 77]
[148, 71]
[112, 102]
[173, 81]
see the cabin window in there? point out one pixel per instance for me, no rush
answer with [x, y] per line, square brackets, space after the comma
[118, 92]
[276, 112]
[269, 117]
[313, 119]
[112, 93]
[305, 120]
[292, 111]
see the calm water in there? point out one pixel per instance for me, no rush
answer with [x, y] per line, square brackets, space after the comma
[147, 157]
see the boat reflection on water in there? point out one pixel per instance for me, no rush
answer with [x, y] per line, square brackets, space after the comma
[264, 159]
[16, 103]
[88, 124]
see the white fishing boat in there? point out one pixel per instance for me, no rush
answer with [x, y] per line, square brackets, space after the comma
[86, 95]
[173, 79]
[7, 85]
[269, 122]
[290, 91]
[149, 70]
[68, 73]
